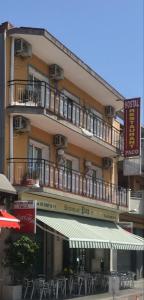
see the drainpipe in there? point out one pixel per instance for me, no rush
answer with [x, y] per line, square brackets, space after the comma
[11, 116]
[11, 149]
[12, 72]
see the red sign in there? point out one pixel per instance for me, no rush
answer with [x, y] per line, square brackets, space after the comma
[132, 127]
[25, 211]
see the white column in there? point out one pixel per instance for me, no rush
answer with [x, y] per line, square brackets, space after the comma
[57, 254]
[129, 199]
[12, 72]
[11, 149]
[113, 260]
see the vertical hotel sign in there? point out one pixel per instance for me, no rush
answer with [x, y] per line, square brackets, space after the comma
[132, 127]
[25, 211]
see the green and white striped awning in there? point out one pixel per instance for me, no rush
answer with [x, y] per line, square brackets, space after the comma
[6, 186]
[90, 233]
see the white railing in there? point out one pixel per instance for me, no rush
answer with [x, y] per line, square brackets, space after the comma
[136, 202]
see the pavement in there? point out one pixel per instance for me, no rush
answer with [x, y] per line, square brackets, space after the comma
[136, 293]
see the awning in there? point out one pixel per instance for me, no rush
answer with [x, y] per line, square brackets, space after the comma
[90, 233]
[5, 185]
[8, 221]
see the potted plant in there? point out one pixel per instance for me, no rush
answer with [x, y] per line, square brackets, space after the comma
[20, 257]
[31, 177]
[27, 179]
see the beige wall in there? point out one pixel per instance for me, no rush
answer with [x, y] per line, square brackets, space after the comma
[58, 255]
[21, 141]
[21, 151]
[21, 72]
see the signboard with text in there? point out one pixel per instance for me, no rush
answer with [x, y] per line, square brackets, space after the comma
[63, 206]
[25, 211]
[132, 127]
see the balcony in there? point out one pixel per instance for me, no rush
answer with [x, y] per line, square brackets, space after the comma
[30, 172]
[37, 97]
[136, 202]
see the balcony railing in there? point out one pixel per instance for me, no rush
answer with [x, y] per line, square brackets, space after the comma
[28, 171]
[136, 202]
[40, 94]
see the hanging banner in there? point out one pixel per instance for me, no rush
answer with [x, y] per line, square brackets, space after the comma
[132, 127]
[25, 211]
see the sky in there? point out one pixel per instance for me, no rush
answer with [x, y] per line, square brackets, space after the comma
[107, 34]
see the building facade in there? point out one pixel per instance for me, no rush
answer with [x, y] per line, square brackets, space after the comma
[60, 143]
[131, 172]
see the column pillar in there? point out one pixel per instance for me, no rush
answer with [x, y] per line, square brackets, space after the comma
[113, 260]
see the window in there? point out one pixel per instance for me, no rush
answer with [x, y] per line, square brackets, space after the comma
[69, 107]
[39, 92]
[97, 124]
[93, 184]
[69, 174]
[38, 155]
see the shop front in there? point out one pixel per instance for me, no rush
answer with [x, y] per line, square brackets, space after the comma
[7, 222]
[78, 238]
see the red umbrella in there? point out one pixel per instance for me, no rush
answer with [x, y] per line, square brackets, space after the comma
[8, 221]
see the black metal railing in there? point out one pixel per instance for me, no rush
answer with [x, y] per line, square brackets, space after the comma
[41, 94]
[48, 174]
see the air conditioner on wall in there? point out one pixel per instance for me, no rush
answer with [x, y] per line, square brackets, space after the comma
[56, 72]
[21, 124]
[23, 48]
[109, 111]
[107, 162]
[60, 141]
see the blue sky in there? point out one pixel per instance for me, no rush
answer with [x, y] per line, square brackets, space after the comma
[107, 34]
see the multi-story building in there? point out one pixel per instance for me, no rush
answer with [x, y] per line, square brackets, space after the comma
[131, 175]
[60, 142]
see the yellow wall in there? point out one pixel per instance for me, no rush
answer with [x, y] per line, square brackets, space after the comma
[85, 99]
[21, 151]
[21, 72]
[21, 141]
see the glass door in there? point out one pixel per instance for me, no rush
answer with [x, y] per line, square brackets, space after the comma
[69, 107]
[38, 155]
[38, 86]
[35, 90]
[35, 161]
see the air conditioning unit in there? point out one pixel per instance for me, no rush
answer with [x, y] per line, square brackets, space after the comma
[60, 141]
[107, 162]
[109, 111]
[56, 72]
[23, 48]
[21, 124]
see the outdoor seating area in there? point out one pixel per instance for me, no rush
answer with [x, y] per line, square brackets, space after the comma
[125, 279]
[64, 287]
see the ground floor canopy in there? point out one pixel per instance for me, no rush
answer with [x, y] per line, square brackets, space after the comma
[82, 232]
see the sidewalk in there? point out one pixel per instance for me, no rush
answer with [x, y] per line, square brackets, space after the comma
[136, 293]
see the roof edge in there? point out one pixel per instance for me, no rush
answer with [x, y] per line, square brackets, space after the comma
[62, 47]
